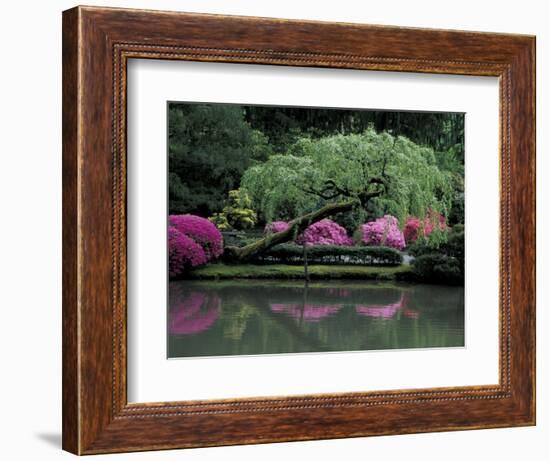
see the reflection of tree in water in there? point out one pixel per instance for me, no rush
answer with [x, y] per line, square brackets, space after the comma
[234, 322]
[192, 312]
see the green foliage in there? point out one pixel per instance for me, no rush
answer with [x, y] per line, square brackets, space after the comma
[210, 146]
[452, 246]
[443, 132]
[283, 271]
[443, 263]
[241, 238]
[331, 254]
[438, 268]
[390, 174]
[237, 214]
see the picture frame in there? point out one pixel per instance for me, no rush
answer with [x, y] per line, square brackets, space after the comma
[97, 44]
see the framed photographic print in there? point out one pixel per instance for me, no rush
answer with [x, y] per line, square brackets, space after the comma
[284, 230]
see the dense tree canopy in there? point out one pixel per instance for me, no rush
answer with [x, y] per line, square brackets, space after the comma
[392, 174]
[210, 147]
[341, 173]
[284, 125]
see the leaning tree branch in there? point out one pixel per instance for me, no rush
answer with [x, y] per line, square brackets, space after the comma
[296, 226]
[330, 191]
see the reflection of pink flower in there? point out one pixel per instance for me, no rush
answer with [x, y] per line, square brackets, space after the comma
[309, 312]
[384, 311]
[411, 314]
[193, 314]
[387, 311]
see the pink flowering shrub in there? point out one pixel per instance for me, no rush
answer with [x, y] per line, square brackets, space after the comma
[325, 232]
[434, 220]
[201, 231]
[192, 241]
[414, 227]
[411, 229]
[276, 226]
[383, 232]
[183, 252]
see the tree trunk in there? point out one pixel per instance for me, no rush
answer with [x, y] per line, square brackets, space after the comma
[296, 226]
[306, 272]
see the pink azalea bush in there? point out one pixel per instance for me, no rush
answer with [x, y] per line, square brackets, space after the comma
[411, 229]
[192, 241]
[325, 232]
[276, 226]
[414, 227]
[183, 252]
[383, 232]
[201, 230]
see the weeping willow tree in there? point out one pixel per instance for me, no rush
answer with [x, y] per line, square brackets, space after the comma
[319, 178]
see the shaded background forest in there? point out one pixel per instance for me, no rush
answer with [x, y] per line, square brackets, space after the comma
[212, 145]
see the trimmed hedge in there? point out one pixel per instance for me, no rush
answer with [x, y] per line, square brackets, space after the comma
[330, 254]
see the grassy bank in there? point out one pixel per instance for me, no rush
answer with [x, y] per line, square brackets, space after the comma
[316, 272]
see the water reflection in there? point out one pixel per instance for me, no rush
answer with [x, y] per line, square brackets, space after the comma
[192, 313]
[388, 311]
[306, 312]
[267, 317]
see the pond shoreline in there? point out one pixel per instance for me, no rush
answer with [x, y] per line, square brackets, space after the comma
[316, 272]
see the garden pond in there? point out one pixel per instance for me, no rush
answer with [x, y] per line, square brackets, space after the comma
[249, 317]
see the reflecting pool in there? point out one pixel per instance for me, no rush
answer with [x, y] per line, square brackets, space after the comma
[246, 317]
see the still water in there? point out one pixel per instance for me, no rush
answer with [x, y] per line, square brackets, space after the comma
[272, 317]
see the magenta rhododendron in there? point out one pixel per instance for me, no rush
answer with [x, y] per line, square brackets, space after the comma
[411, 229]
[183, 252]
[383, 232]
[325, 232]
[276, 226]
[414, 227]
[192, 242]
[201, 231]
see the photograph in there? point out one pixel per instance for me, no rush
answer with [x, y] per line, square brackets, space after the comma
[313, 229]
[266, 231]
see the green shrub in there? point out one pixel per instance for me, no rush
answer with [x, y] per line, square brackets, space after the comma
[453, 246]
[438, 268]
[330, 254]
[443, 263]
[236, 214]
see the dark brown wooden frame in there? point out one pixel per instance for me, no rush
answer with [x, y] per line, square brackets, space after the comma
[97, 43]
